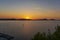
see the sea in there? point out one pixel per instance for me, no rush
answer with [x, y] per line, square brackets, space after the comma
[25, 30]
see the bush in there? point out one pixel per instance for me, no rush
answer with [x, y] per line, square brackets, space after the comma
[49, 36]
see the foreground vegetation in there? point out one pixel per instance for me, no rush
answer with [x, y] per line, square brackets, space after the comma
[49, 36]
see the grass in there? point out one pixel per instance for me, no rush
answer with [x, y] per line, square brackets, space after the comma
[49, 36]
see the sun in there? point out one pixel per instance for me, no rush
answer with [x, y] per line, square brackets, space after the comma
[27, 17]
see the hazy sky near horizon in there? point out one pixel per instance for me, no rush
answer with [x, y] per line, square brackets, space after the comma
[30, 8]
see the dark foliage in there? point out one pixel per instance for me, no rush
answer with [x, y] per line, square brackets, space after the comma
[49, 36]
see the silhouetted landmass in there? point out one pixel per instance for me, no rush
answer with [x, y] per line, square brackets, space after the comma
[52, 19]
[15, 19]
[8, 19]
[49, 36]
[32, 19]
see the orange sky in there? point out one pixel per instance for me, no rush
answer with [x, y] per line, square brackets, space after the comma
[32, 9]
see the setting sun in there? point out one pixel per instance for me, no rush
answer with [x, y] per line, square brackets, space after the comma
[27, 17]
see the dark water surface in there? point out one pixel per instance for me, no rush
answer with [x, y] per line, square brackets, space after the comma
[24, 30]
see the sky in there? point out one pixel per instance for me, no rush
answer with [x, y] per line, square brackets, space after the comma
[35, 9]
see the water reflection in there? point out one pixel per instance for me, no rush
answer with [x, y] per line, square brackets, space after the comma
[27, 29]
[24, 30]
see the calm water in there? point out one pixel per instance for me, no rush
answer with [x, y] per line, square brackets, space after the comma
[24, 30]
